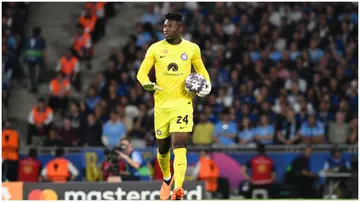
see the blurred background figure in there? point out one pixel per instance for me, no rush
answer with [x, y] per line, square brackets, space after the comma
[10, 151]
[30, 167]
[299, 173]
[263, 173]
[59, 169]
[207, 170]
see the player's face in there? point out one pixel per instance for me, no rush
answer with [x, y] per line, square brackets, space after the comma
[171, 29]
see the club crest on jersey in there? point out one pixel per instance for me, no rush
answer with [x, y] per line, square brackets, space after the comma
[184, 56]
[165, 51]
[159, 132]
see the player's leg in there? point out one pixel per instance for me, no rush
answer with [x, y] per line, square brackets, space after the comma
[163, 156]
[163, 152]
[179, 141]
[180, 127]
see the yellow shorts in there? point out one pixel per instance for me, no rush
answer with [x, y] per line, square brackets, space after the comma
[168, 121]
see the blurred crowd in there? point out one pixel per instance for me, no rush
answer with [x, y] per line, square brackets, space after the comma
[282, 73]
[42, 130]
[13, 25]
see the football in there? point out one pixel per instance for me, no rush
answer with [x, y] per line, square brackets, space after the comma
[194, 83]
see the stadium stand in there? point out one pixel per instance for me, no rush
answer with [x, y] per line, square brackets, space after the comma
[283, 74]
[13, 25]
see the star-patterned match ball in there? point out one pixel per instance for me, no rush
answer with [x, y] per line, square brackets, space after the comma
[194, 83]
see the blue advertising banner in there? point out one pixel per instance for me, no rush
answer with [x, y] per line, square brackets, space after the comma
[88, 161]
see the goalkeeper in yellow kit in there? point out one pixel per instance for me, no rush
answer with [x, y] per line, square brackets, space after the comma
[173, 111]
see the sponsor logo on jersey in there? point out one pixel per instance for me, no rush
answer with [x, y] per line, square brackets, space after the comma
[173, 67]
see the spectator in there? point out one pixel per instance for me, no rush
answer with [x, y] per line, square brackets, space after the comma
[312, 131]
[223, 98]
[100, 84]
[264, 133]
[295, 79]
[141, 123]
[203, 131]
[112, 73]
[339, 132]
[354, 131]
[91, 132]
[123, 117]
[112, 99]
[113, 130]
[289, 131]
[299, 173]
[225, 130]
[344, 107]
[245, 112]
[247, 132]
[324, 114]
[77, 119]
[143, 37]
[40, 120]
[150, 16]
[353, 96]
[34, 56]
[68, 134]
[60, 90]
[30, 167]
[92, 99]
[70, 67]
[53, 139]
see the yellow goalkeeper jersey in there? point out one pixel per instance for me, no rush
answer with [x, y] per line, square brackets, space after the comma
[172, 65]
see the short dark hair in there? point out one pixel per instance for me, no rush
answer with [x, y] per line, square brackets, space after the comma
[260, 148]
[33, 152]
[178, 17]
[59, 152]
[226, 111]
[113, 112]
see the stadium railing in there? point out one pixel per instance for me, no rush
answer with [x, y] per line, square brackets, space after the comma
[213, 148]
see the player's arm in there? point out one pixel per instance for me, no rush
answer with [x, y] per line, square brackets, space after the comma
[200, 69]
[142, 75]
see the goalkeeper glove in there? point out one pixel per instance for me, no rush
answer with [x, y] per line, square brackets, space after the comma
[151, 87]
[205, 91]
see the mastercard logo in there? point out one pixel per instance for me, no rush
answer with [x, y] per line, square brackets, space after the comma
[47, 194]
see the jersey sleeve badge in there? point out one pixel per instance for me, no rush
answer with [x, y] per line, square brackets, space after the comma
[184, 56]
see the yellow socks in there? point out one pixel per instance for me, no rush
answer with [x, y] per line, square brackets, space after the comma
[164, 163]
[180, 164]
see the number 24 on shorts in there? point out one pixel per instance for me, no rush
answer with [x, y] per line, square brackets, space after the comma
[181, 119]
